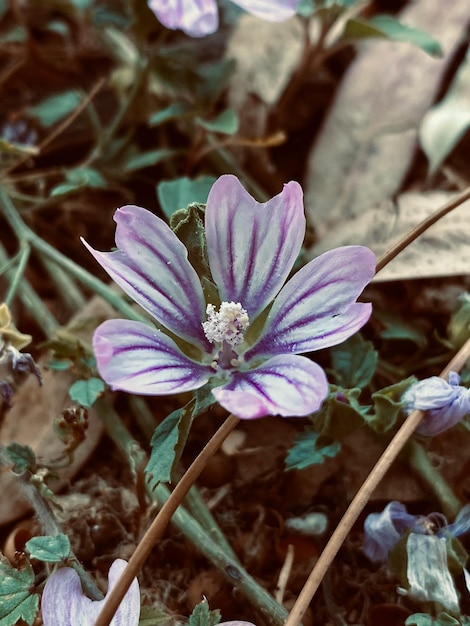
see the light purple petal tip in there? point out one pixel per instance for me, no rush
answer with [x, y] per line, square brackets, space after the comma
[286, 385]
[152, 267]
[270, 10]
[136, 358]
[63, 601]
[251, 246]
[445, 403]
[196, 18]
[383, 530]
[317, 308]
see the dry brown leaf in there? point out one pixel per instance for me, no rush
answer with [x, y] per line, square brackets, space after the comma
[29, 422]
[443, 250]
[366, 146]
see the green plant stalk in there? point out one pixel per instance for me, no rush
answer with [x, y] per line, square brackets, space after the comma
[194, 532]
[23, 257]
[25, 233]
[66, 288]
[51, 526]
[420, 463]
[31, 300]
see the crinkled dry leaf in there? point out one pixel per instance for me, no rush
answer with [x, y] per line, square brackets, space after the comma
[443, 250]
[365, 148]
[30, 420]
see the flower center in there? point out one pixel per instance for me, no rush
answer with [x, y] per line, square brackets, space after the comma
[226, 325]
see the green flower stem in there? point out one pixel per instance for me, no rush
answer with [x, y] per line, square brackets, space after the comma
[421, 464]
[66, 288]
[31, 300]
[50, 525]
[23, 232]
[23, 257]
[143, 415]
[194, 532]
[201, 513]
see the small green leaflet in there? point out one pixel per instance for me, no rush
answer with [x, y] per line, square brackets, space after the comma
[177, 194]
[354, 362]
[202, 616]
[170, 436]
[86, 392]
[226, 123]
[388, 405]
[16, 599]
[22, 457]
[423, 619]
[387, 27]
[308, 449]
[49, 549]
[55, 108]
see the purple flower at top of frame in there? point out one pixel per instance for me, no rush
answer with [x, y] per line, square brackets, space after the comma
[445, 403]
[64, 603]
[252, 362]
[200, 17]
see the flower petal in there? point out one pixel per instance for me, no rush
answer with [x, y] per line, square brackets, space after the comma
[251, 246]
[152, 267]
[196, 18]
[136, 358]
[317, 309]
[461, 524]
[63, 601]
[383, 530]
[285, 385]
[270, 10]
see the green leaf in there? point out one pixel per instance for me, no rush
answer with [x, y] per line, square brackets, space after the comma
[164, 443]
[16, 599]
[170, 436]
[396, 327]
[86, 392]
[419, 619]
[188, 226]
[55, 108]
[179, 193]
[388, 405]
[387, 27]
[341, 413]
[354, 362]
[147, 159]
[226, 123]
[154, 616]
[172, 112]
[49, 549]
[22, 457]
[444, 125]
[308, 449]
[79, 178]
[202, 616]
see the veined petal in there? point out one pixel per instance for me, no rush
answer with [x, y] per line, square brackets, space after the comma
[270, 10]
[317, 308]
[285, 385]
[136, 358]
[196, 18]
[251, 246]
[63, 601]
[152, 267]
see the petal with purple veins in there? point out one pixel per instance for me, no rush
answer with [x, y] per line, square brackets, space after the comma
[252, 246]
[152, 267]
[136, 358]
[286, 385]
[196, 18]
[317, 308]
[63, 601]
[269, 10]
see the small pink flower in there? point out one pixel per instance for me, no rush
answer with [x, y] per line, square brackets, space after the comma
[64, 603]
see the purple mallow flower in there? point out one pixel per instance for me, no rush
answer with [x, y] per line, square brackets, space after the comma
[247, 340]
[383, 530]
[64, 603]
[445, 403]
[200, 17]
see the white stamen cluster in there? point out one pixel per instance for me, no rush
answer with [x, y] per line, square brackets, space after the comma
[228, 324]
